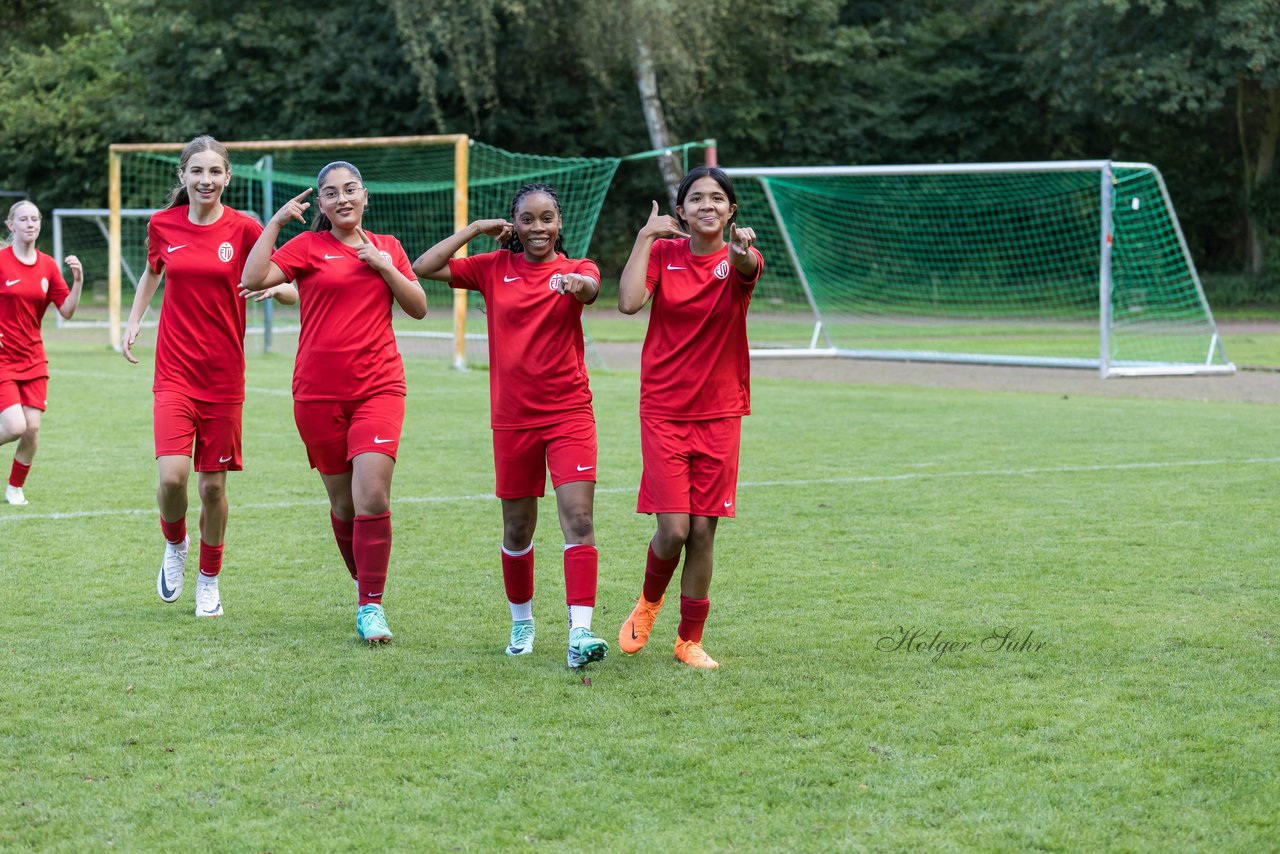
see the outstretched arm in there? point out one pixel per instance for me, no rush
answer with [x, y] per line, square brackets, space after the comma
[434, 263]
[740, 254]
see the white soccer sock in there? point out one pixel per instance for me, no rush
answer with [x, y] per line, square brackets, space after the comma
[521, 612]
[580, 617]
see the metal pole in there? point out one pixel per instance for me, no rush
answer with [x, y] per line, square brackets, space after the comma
[268, 208]
[1104, 274]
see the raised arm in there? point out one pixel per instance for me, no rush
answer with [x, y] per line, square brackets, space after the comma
[69, 304]
[632, 293]
[259, 272]
[740, 254]
[434, 263]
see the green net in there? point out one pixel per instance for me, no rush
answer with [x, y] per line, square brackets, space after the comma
[411, 196]
[999, 265]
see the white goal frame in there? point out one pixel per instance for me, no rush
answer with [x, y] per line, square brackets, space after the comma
[1103, 364]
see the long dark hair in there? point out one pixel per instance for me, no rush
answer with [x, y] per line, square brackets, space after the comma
[178, 196]
[513, 242]
[716, 174]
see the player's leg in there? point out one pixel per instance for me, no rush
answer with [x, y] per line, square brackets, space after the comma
[372, 440]
[520, 475]
[21, 422]
[571, 458]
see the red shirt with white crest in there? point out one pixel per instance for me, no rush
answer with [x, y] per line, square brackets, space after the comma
[27, 292]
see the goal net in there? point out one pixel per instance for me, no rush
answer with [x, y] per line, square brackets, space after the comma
[1069, 264]
[421, 189]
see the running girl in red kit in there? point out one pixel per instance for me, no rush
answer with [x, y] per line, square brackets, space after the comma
[32, 282]
[198, 246]
[348, 379]
[540, 400]
[694, 389]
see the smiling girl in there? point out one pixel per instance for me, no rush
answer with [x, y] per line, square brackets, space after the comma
[198, 246]
[32, 282]
[348, 378]
[540, 399]
[695, 375]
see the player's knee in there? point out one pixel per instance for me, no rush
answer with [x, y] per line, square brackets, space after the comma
[578, 525]
[517, 531]
[31, 433]
[173, 482]
[671, 536]
[212, 491]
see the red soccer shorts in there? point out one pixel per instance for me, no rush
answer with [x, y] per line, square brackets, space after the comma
[521, 458]
[214, 429]
[33, 393]
[689, 466]
[335, 431]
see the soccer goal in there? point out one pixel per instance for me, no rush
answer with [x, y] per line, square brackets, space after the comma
[1060, 264]
[422, 189]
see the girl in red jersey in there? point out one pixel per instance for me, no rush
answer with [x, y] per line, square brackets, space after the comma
[540, 400]
[694, 389]
[198, 246]
[348, 379]
[32, 281]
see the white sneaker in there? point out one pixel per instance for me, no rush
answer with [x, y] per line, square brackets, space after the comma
[208, 602]
[173, 569]
[13, 494]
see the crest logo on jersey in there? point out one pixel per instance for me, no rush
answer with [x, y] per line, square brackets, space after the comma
[556, 280]
[722, 270]
[44, 285]
[386, 255]
[226, 252]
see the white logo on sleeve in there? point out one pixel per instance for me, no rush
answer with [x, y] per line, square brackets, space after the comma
[8, 283]
[173, 248]
[673, 267]
[44, 285]
[226, 252]
[722, 270]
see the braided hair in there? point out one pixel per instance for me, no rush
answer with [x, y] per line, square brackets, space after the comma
[513, 242]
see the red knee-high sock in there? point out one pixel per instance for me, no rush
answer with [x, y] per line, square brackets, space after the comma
[581, 571]
[343, 532]
[174, 532]
[210, 559]
[517, 576]
[657, 575]
[18, 474]
[371, 542]
[693, 616]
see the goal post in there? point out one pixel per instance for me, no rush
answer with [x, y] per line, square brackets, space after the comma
[422, 189]
[1064, 264]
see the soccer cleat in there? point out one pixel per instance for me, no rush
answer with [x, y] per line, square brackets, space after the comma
[634, 633]
[585, 647]
[521, 638]
[692, 654]
[208, 602]
[13, 494]
[173, 569]
[371, 624]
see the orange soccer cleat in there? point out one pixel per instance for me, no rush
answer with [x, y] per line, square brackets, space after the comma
[634, 633]
[692, 654]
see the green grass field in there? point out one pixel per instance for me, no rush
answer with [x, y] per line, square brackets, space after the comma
[1133, 540]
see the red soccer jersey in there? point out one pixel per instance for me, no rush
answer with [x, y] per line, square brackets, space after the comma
[347, 350]
[200, 346]
[27, 292]
[695, 364]
[537, 374]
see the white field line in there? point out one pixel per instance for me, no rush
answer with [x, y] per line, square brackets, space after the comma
[7, 515]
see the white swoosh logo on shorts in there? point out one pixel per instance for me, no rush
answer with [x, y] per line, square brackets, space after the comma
[728, 504]
[224, 459]
[585, 468]
[378, 441]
